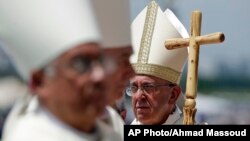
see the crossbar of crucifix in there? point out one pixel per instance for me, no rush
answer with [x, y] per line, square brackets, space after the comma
[194, 43]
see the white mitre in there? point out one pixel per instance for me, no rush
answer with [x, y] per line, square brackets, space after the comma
[37, 31]
[150, 29]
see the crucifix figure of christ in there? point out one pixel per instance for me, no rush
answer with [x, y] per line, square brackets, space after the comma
[194, 43]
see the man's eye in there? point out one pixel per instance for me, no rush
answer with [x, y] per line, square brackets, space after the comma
[81, 64]
[148, 87]
[134, 88]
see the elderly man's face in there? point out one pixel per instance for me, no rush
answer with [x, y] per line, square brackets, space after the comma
[152, 99]
[118, 80]
[75, 90]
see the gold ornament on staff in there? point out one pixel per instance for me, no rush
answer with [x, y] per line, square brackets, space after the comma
[194, 43]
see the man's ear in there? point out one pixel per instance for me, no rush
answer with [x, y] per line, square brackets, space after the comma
[36, 80]
[176, 90]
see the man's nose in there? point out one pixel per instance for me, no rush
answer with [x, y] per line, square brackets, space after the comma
[98, 73]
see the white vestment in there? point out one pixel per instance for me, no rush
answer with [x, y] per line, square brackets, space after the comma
[36, 123]
[115, 121]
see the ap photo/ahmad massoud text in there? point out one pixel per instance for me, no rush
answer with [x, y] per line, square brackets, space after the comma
[142, 131]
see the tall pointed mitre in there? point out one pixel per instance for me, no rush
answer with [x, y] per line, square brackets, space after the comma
[150, 29]
[35, 32]
[114, 19]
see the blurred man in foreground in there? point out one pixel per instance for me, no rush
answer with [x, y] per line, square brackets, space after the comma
[55, 46]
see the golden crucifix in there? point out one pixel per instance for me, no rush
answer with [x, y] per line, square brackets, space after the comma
[194, 43]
